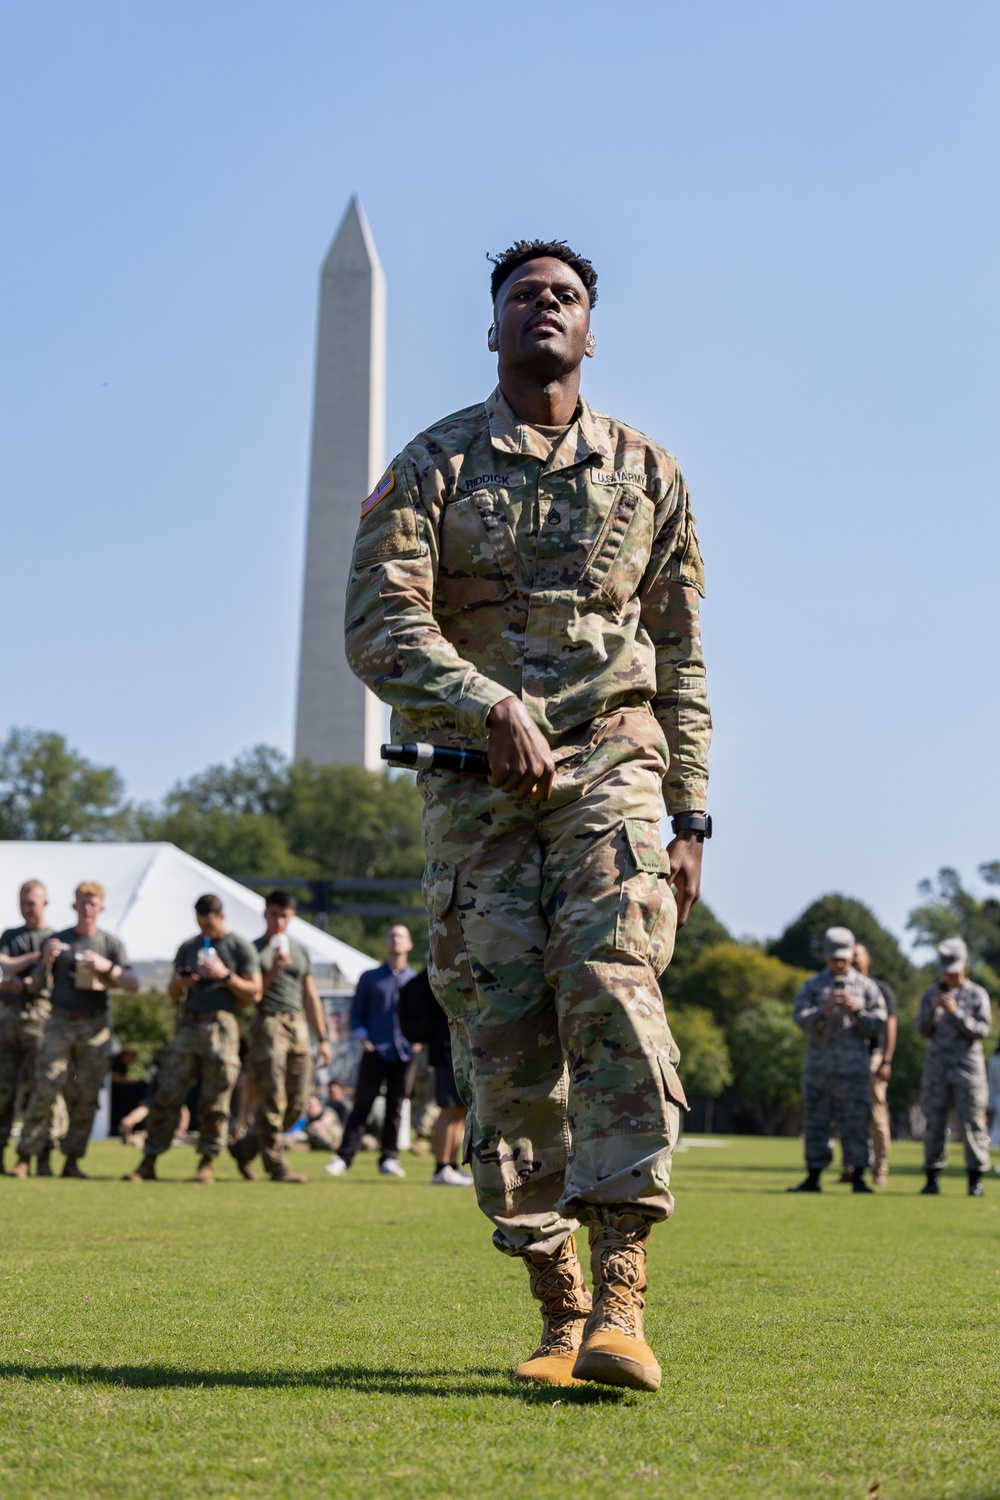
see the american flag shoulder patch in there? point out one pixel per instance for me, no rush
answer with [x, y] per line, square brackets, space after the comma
[378, 493]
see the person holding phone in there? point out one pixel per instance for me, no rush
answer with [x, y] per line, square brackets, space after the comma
[78, 969]
[840, 1011]
[955, 1016]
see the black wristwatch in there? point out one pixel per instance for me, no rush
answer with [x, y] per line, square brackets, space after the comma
[693, 822]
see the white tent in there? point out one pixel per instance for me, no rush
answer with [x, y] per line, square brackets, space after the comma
[151, 890]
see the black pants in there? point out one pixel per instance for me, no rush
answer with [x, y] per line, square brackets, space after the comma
[398, 1077]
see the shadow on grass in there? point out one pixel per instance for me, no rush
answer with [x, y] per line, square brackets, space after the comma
[491, 1382]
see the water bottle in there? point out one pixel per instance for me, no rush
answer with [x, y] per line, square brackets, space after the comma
[279, 944]
[207, 952]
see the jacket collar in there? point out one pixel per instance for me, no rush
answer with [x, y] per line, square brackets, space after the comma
[583, 439]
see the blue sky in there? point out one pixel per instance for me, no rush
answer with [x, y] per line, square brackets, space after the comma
[794, 212]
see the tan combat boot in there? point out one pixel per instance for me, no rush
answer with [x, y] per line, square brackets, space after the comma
[557, 1282]
[205, 1172]
[614, 1349]
[23, 1168]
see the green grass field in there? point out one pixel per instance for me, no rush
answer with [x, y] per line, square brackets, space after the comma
[354, 1338]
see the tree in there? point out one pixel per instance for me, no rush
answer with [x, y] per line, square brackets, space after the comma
[50, 791]
[801, 943]
[704, 1067]
[702, 930]
[354, 822]
[951, 910]
[767, 1049]
[731, 978]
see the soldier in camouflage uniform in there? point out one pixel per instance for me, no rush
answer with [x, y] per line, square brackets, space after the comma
[279, 1059]
[840, 1011]
[955, 1015]
[526, 578]
[22, 1014]
[77, 970]
[214, 974]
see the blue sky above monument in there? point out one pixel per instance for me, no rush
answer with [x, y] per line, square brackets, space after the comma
[793, 211]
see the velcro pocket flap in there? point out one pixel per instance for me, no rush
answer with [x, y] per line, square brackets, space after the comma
[438, 887]
[644, 841]
[672, 1084]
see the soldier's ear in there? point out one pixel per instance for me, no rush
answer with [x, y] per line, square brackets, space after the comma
[591, 345]
[492, 342]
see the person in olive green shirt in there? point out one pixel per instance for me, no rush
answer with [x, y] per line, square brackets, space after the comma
[279, 1059]
[214, 974]
[78, 969]
[22, 1013]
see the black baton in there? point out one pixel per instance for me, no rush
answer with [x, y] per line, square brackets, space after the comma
[437, 758]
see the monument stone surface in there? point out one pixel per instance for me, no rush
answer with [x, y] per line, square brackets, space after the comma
[337, 718]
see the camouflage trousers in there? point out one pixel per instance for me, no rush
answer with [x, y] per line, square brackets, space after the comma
[72, 1060]
[210, 1043]
[836, 1102]
[548, 927]
[21, 1027]
[281, 1068]
[964, 1089]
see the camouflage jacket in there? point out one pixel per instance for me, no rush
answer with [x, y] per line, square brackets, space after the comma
[838, 1042]
[488, 564]
[958, 1038]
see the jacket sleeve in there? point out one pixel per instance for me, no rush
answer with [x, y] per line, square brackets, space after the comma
[359, 1010]
[670, 594]
[976, 1024]
[872, 1017]
[393, 642]
[808, 1012]
[925, 1015]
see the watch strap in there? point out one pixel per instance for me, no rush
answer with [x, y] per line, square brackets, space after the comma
[693, 822]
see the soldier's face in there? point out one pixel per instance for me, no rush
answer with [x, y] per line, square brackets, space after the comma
[542, 318]
[33, 904]
[838, 966]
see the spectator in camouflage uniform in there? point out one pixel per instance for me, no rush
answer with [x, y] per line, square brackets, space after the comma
[955, 1016]
[22, 1015]
[526, 578]
[278, 1058]
[214, 974]
[77, 970]
[840, 1011]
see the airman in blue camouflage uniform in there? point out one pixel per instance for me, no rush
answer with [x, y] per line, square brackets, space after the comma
[840, 1011]
[526, 578]
[955, 1016]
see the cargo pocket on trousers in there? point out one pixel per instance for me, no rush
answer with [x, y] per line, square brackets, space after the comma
[642, 893]
[450, 971]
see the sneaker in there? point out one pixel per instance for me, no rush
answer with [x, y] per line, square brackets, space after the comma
[391, 1168]
[450, 1177]
[335, 1167]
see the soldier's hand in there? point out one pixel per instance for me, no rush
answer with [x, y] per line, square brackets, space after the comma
[323, 1054]
[684, 853]
[12, 985]
[884, 1072]
[521, 762]
[849, 1003]
[950, 1004]
[97, 961]
[51, 950]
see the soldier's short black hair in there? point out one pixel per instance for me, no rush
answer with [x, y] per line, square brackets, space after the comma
[523, 250]
[208, 906]
[281, 899]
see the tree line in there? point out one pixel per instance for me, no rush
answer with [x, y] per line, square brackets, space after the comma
[729, 1001]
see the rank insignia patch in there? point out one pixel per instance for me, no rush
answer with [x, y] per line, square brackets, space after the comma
[378, 493]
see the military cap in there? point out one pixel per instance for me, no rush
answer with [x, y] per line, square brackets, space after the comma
[838, 942]
[952, 955]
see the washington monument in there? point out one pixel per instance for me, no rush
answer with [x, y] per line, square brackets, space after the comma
[337, 719]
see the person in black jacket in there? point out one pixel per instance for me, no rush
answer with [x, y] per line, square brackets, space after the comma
[421, 1019]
